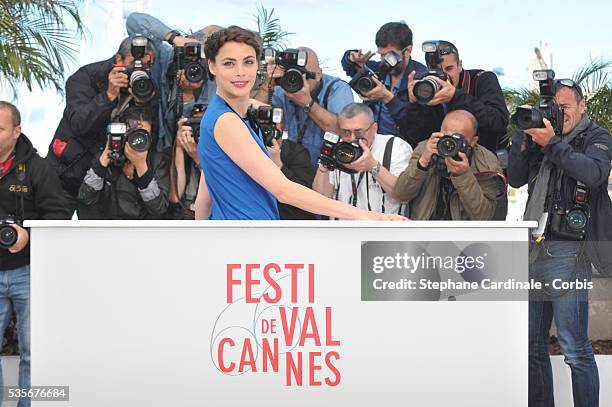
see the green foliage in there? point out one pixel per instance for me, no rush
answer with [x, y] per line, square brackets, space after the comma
[37, 38]
[269, 28]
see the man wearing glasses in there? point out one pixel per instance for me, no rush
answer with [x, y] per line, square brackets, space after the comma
[384, 158]
[474, 90]
[388, 100]
[567, 171]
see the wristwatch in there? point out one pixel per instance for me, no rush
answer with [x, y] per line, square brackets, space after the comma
[376, 169]
[309, 106]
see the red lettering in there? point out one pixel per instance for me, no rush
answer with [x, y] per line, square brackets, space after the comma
[251, 282]
[313, 368]
[247, 358]
[231, 282]
[222, 366]
[311, 290]
[332, 367]
[310, 324]
[294, 276]
[269, 354]
[293, 370]
[328, 328]
[288, 331]
[273, 284]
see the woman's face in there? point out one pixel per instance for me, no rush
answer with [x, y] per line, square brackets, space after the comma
[235, 69]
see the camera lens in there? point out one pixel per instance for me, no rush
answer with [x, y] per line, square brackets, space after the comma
[528, 118]
[8, 236]
[292, 81]
[346, 153]
[142, 85]
[424, 90]
[448, 146]
[576, 219]
[195, 72]
[139, 139]
[365, 84]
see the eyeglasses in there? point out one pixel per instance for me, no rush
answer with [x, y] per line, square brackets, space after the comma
[359, 133]
[569, 83]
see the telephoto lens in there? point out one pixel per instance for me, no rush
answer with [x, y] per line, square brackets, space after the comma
[346, 153]
[425, 89]
[292, 81]
[8, 236]
[451, 145]
[528, 118]
[139, 139]
[142, 85]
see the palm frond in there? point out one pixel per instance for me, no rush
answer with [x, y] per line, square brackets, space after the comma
[269, 28]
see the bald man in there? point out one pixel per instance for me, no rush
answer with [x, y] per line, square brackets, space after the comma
[465, 187]
[311, 111]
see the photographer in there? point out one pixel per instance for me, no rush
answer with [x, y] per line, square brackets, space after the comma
[454, 88]
[92, 93]
[311, 110]
[129, 179]
[565, 159]
[177, 94]
[371, 183]
[29, 189]
[388, 99]
[460, 182]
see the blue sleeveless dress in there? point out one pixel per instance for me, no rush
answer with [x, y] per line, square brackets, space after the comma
[235, 195]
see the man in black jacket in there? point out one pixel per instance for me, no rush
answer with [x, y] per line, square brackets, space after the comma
[29, 189]
[92, 93]
[473, 90]
[131, 185]
[567, 172]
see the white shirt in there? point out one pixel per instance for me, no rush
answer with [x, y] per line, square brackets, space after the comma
[400, 155]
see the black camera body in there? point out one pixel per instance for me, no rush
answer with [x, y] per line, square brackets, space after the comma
[362, 81]
[8, 234]
[267, 117]
[426, 86]
[194, 120]
[293, 61]
[189, 58]
[139, 73]
[335, 154]
[118, 135]
[529, 117]
[450, 145]
[571, 224]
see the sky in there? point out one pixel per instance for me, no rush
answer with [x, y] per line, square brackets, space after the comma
[488, 35]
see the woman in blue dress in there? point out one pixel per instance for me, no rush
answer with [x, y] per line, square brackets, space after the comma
[241, 181]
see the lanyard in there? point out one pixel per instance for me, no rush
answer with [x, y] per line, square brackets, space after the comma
[4, 167]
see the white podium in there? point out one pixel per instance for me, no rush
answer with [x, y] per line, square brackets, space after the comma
[189, 313]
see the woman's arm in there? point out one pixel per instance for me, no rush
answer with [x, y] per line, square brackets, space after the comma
[235, 140]
[203, 202]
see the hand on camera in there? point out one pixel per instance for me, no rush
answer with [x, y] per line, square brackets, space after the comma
[117, 79]
[139, 160]
[104, 157]
[185, 140]
[542, 136]
[364, 163]
[274, 72]
[303, 96]
[458, 167]
[359, 58]
[380, 92]
[444, 95]
[188, 85]
[275, 153]
[431, 148]
[23, 237]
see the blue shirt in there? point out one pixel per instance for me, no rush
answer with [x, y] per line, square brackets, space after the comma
[235, 195]
[296, 119]
[155, 30]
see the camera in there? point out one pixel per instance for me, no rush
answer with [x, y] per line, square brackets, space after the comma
[529, 117]
[138, 138]
[139, 73]
[426, 87]
[362, 82]
[8, 234]
[293, 61]
[267, 117]
[194, 120]
[335, 154]
[451, 145]
[189, 58]
[571, 224]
